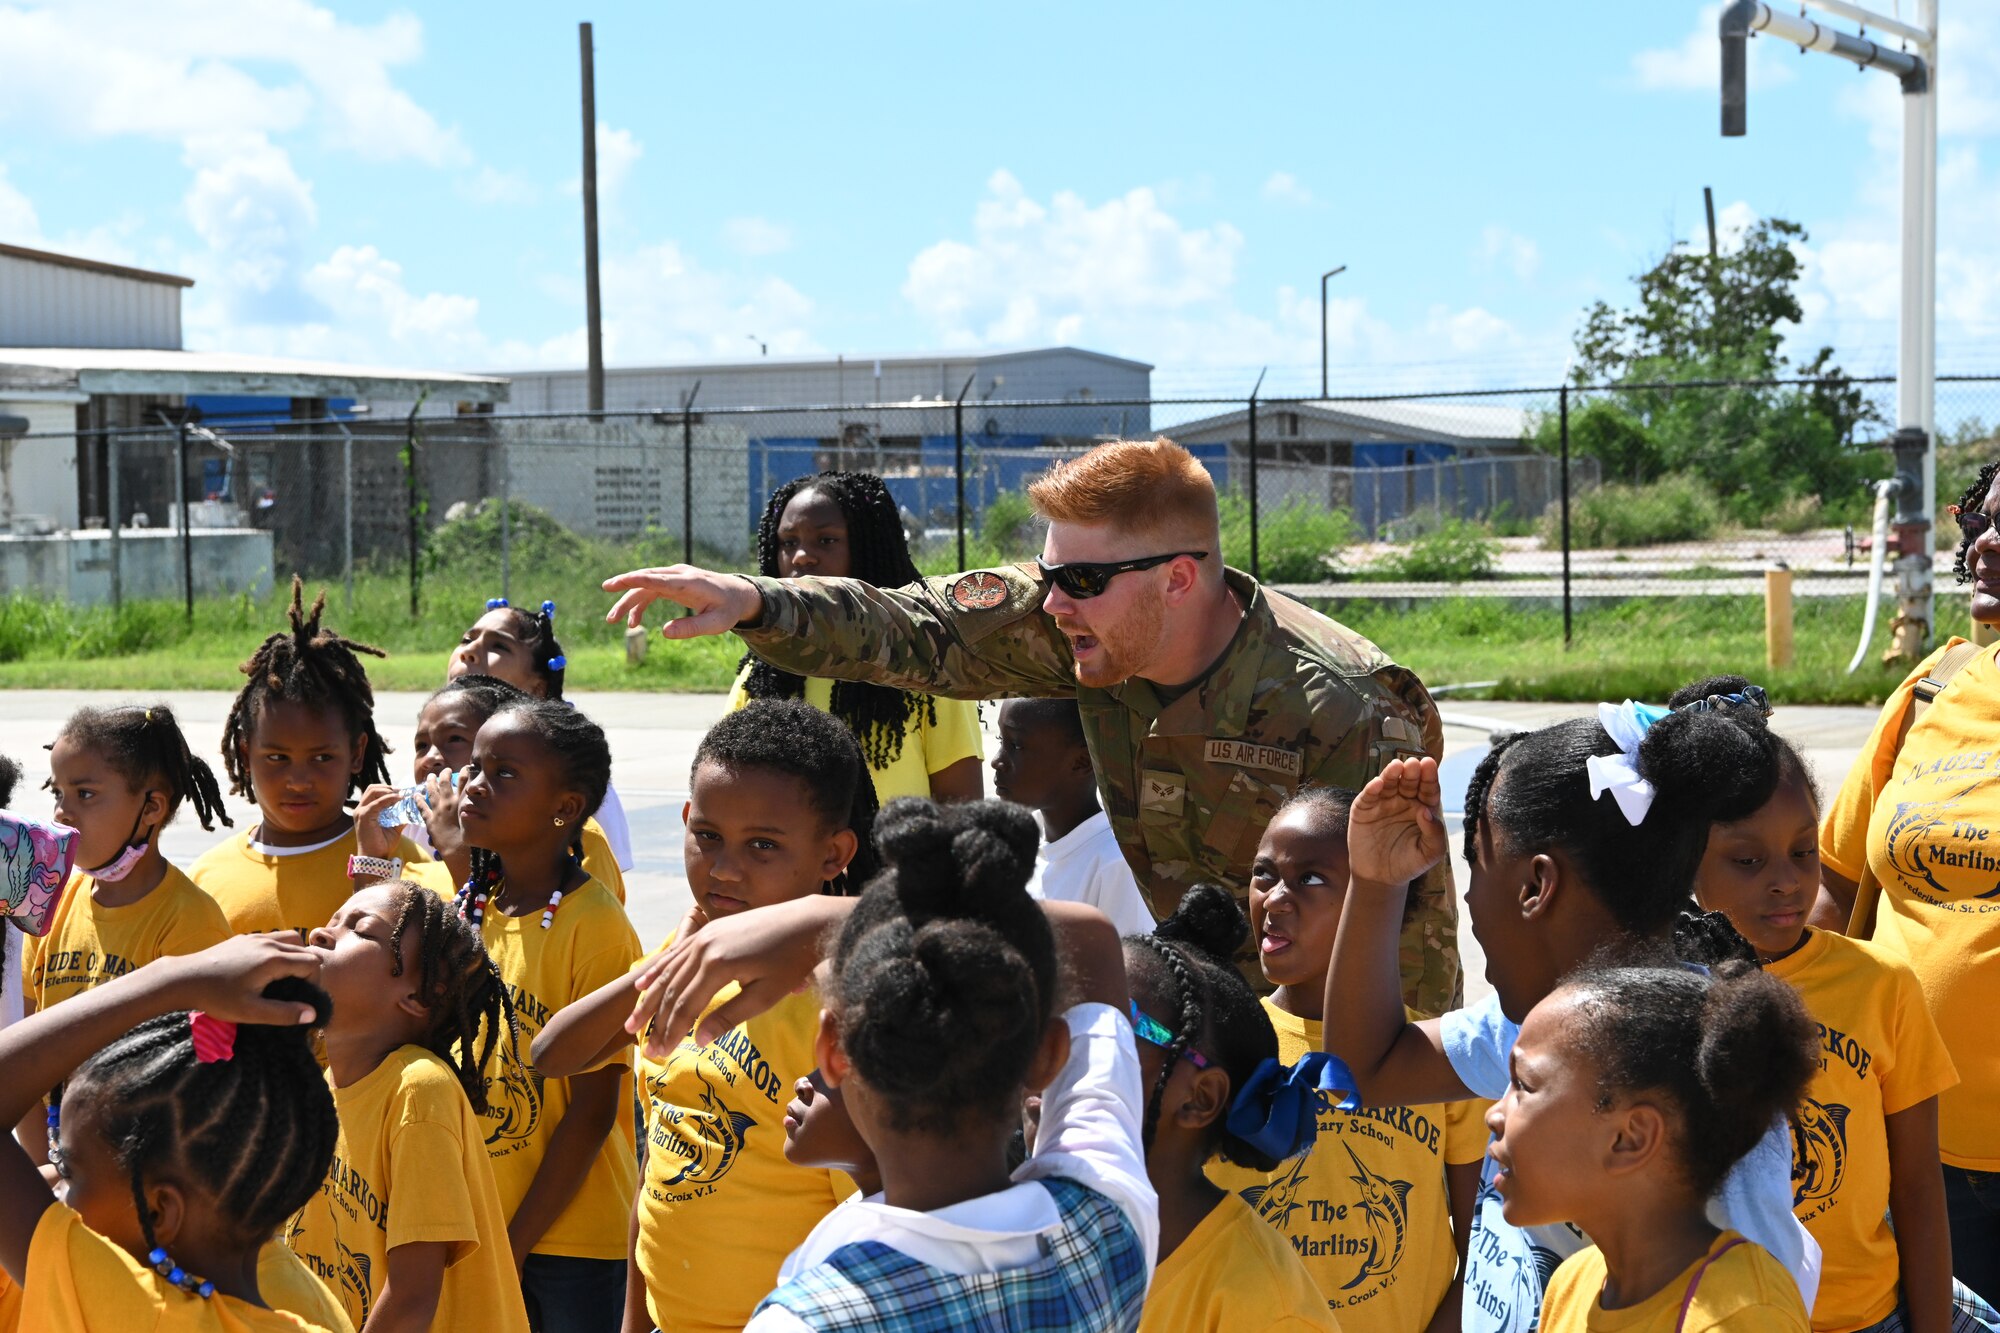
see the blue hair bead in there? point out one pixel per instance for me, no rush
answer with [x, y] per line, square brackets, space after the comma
[549, 610]
[158, 1257]
[495, 603]
[205, 1290]
[178, 1276]
[558, 662]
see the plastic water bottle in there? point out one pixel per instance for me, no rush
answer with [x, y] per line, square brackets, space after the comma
[410, 809]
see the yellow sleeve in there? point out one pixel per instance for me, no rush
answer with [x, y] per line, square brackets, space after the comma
[1465, 1132]
[66, 1259]
[197, 923]
[1755, 1319]
[430, 1153]
[598, 861]
[614, 953]
[739, 693]
[1843, 829]
[954, 736]
[1922, 1067]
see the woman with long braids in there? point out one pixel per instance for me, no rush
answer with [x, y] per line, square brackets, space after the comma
[1907, 861]
[846, 525]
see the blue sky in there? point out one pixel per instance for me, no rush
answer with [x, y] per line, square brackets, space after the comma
[396, 184]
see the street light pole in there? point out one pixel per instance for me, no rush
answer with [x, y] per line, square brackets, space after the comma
[1330, 273]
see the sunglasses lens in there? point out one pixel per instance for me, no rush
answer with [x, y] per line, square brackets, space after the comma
[1973, 523]
[1080, 581]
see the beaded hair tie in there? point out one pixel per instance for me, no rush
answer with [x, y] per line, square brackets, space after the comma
[164, 1265]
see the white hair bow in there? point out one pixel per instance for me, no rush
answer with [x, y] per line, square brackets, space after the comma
[1626, 724]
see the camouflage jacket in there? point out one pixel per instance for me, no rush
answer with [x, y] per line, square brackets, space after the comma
[1190, 782]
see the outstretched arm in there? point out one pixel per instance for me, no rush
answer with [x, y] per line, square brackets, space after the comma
[971, 636]
[1395, 833]
[39, 1052]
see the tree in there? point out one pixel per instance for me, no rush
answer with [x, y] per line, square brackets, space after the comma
[1757, 446]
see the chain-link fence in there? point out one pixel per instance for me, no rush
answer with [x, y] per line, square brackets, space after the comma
[1532, 501]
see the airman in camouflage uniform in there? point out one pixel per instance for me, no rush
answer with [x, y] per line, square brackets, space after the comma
[1189, 778]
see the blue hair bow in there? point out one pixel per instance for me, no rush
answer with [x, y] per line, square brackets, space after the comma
[1277, 1110]
[549, 610]
[558, 662]
[1627, 725]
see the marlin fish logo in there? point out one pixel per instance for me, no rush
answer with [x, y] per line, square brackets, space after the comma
[1913, 820]
[1385, 1204]
[514, 1100]
[1275, 1201]
[354, 1279]
[713, 1153]
[1819, 1151]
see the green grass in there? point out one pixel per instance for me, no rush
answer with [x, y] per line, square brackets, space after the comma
[1643, 649]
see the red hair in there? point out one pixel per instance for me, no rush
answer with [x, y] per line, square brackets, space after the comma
[1152, 485]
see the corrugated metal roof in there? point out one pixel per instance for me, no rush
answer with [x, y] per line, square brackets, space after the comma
[1443, 421]
[95, 266]
[862, 361]
[117, 370]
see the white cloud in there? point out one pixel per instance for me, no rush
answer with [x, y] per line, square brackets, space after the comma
[1511, 250]
[1696, 64]
[756, 236]
[1284, 188]
[1066, 270]
[1471, 330]
[177, 69]
[253, 211]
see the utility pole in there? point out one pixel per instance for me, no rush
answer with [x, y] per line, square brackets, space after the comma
[593, 307]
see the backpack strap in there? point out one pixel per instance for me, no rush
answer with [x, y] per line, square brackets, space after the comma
[1687, 1300]
[1868, 890]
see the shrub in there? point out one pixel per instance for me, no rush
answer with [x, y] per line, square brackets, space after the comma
[470, 543]
[1449, 551]
[1010, 528]
[1672, 509]
[1797, 513]
[1297, 542]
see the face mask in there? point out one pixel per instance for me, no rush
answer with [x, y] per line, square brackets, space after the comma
[35, 861]
[121, 866]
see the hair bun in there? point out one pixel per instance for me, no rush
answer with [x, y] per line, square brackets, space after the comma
[298, 991]
[956, 860]
[1208, 921]
[1757, 1047]
[1708, 938]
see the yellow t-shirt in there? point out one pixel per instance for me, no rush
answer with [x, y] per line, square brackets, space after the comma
[80, 1282]
[1744, 1290]
[88, 944]
[285, 1283]
[1930, 830]
[720, 1207]
[1879, 1053]
[588, 944]
[598, 863]
[927, 747]
[1233, 1274]
[301, 891]
[409, 1121]
[1366, 1208]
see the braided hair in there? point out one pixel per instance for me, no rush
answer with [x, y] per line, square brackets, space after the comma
[257, 1128]
[313, 666]
[878, 715]
[1974, 498]
[537, 629]
[1183, 973]
[944, 976]
[10, 777]
[145, 745]
[791, 737]
[584, 757]
[457, 982]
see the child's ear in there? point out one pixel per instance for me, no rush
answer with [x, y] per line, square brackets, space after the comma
[153, 812]
[1080, 761]
[840, 849]
[1639, 1133]
[358, 755]
[1050, 1056]
[167, 1207]
[570, 810]
[1207, 1099]
[1541, 887]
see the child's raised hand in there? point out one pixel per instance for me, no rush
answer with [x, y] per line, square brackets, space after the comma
[228, 979]
[441, 793]
[1395, 831]
[370, 838]
[769, 953]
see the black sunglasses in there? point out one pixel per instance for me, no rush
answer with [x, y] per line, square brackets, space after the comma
[1083, 579]
[1973, 523]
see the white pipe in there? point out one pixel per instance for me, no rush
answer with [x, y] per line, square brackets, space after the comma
[1848, 9]
[1818, 37]
[1884, 489]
